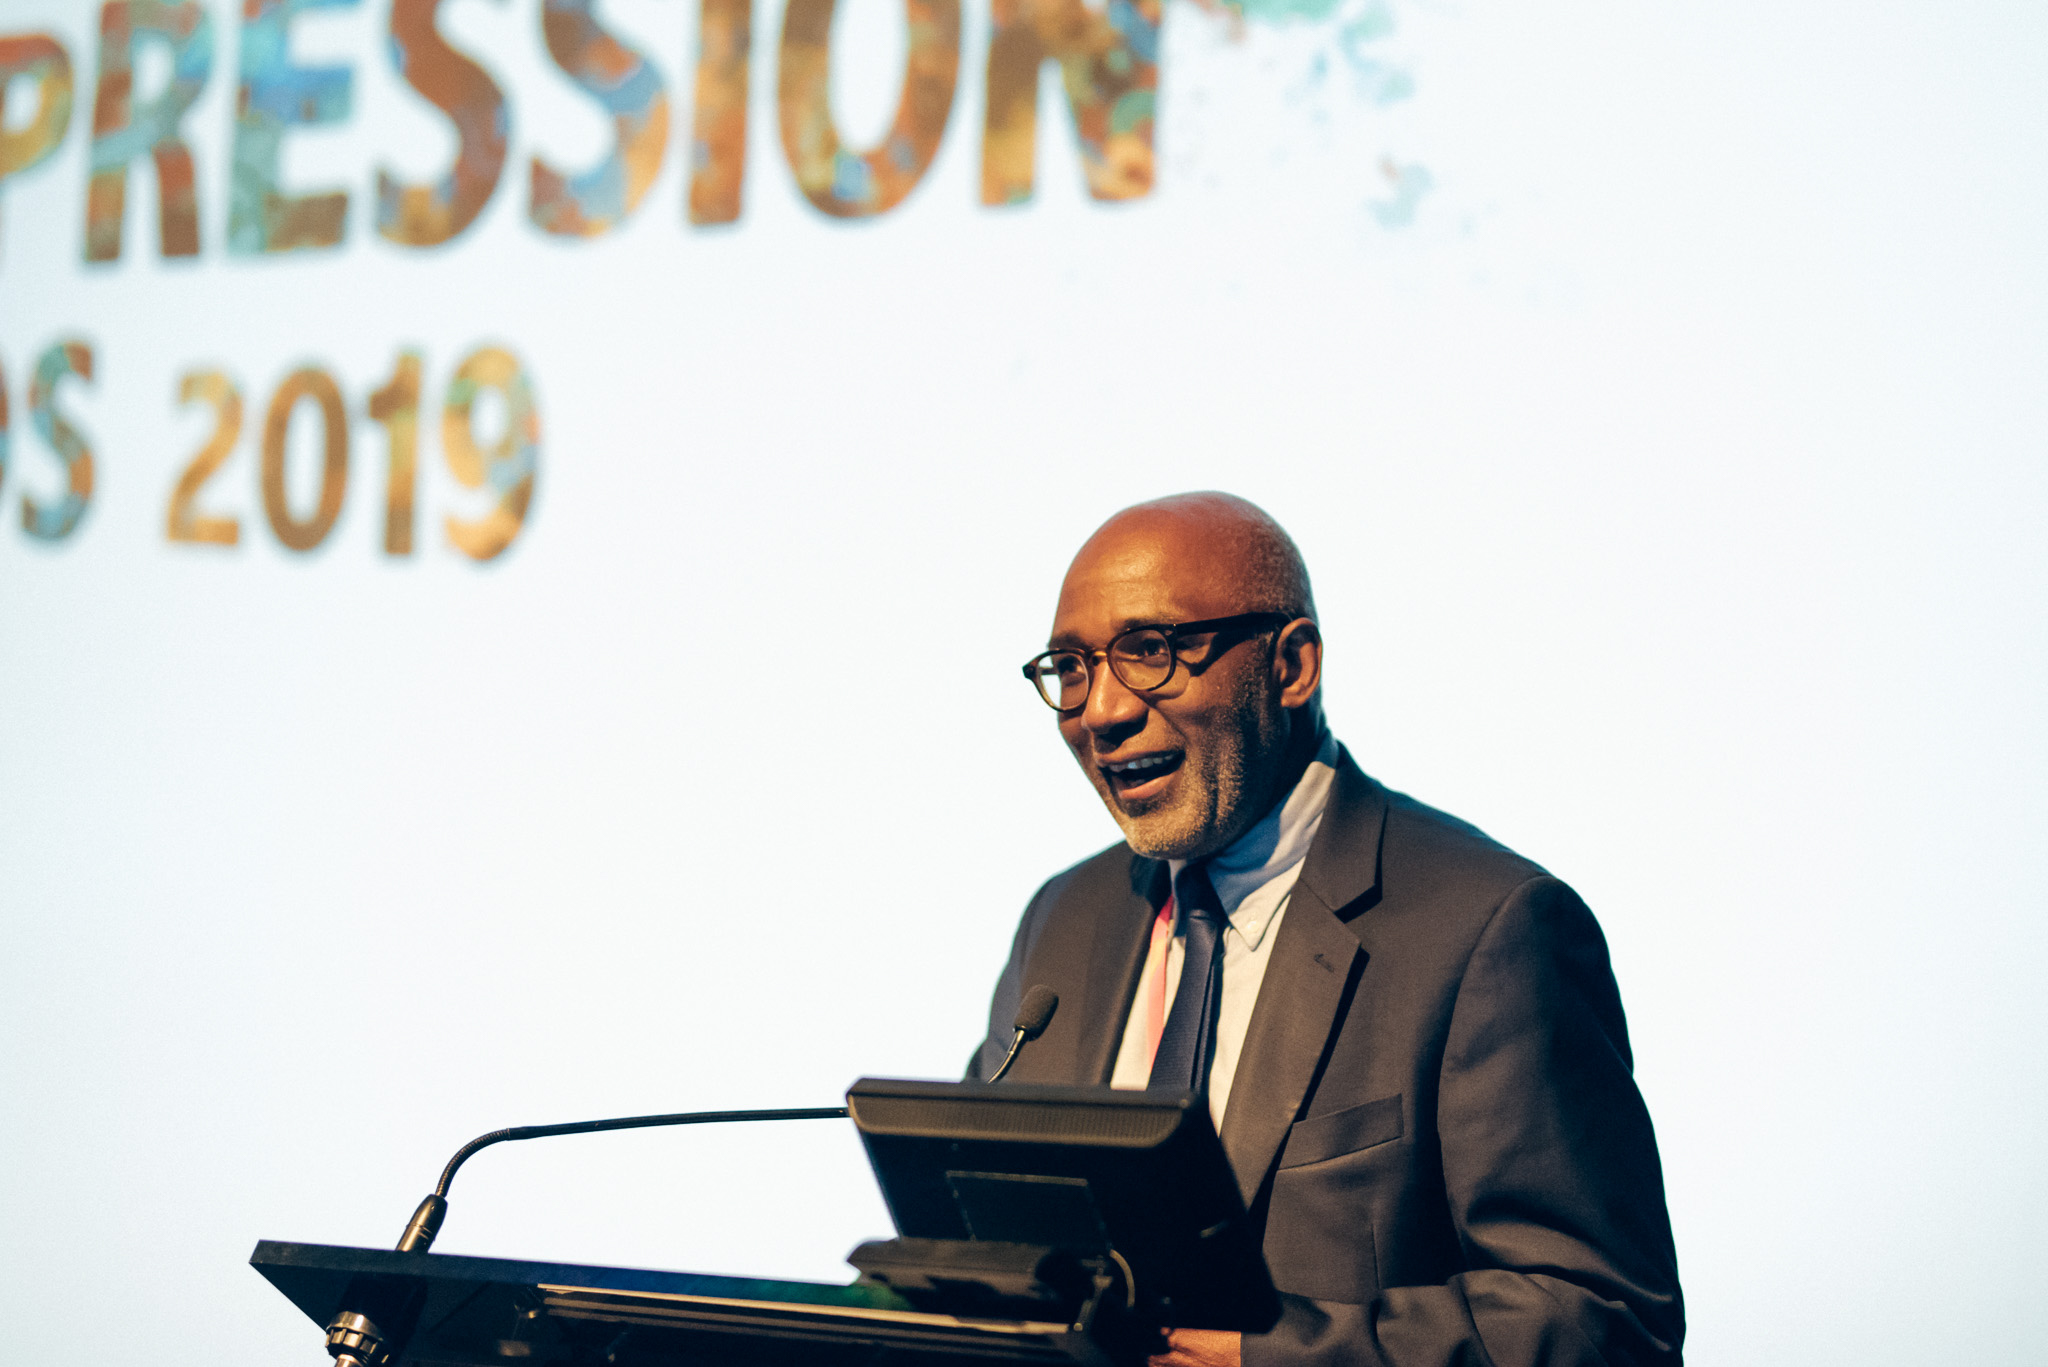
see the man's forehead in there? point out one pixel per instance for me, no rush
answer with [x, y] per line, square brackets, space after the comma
[1149, 570]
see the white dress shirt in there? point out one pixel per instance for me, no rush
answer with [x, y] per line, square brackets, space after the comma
[1253, 878]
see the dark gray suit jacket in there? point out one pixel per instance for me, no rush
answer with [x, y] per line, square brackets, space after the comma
[1434, 1118]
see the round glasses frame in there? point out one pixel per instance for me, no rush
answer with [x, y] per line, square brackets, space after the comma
[1133, 655]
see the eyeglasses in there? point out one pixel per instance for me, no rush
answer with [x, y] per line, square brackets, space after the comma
[1143, 658]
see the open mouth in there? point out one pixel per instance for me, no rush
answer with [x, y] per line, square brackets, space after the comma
[1143, 775]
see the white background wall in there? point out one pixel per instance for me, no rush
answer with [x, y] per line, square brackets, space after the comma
[1673, 486]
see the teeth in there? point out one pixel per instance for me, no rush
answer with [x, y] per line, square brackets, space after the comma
[1134, 766]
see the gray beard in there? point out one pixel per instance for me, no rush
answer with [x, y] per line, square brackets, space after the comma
[1219, 797]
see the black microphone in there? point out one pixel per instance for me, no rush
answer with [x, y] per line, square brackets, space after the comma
[1034, 1013]
[374, 1336]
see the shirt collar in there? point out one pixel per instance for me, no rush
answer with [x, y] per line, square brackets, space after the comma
[1275, 846]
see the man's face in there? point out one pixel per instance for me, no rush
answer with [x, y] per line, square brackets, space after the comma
[1187, 768]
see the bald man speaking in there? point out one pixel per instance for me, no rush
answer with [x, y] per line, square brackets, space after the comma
[1409, 1037]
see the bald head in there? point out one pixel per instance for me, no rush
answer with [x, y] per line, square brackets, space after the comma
[1224, 543]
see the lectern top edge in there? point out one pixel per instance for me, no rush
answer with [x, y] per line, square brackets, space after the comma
[278, 1260]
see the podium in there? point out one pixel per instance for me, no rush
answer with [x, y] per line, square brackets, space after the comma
[490, 1312]
[1036, 1225]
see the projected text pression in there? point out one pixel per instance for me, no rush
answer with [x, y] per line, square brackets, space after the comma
[1108, 60]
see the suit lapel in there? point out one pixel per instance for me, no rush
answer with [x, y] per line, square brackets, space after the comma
[1114, 968]
[1113, 932]
[1306, 979]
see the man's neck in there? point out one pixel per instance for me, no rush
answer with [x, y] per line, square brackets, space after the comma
[1280, 839]
[1304, 738]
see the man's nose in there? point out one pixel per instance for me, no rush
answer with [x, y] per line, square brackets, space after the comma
[1111, 707]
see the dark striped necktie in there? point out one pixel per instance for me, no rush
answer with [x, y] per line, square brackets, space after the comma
[1189, 1035]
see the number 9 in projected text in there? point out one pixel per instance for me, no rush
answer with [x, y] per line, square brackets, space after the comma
[508, 466]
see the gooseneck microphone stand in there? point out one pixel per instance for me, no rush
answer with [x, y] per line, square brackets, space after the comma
[426, 1221]
[371, 1334]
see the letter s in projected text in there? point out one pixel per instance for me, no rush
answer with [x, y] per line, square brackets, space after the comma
[630, 90]
[428, 215]
[60, 519]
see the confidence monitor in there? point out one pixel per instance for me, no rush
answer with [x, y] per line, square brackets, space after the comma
[1137, 1179]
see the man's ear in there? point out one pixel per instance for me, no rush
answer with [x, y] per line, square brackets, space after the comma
[1298, 661]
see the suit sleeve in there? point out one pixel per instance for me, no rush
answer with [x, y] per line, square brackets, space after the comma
[1550, 1176]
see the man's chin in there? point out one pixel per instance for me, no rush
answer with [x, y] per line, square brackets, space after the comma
[1160, 832]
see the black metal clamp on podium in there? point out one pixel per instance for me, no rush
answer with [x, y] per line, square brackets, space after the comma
[1036, 1224]
[994, 1281]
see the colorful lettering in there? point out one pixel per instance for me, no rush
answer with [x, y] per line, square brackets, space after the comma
[508, 468]
[317, 385]
[428, 215]
[718, 137]
[849, 184]
[184, 521]
[396, 407]
[121, 131]
[601, 198]
[274, 96]
[61, 519]
[40, 58]
[1109, 64]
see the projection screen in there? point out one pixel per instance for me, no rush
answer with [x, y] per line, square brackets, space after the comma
[519, 520]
